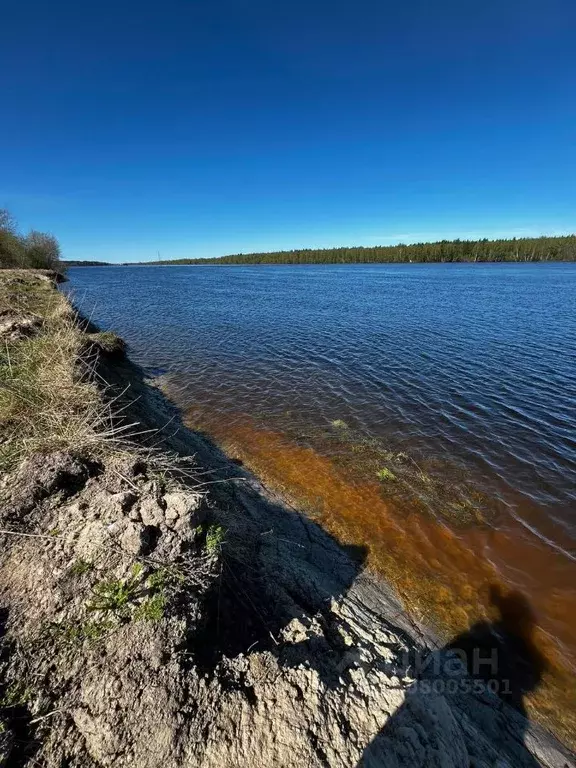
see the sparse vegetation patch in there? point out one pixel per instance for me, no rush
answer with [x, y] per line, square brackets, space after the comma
[214, 539]
[385, 475]
[114, 595]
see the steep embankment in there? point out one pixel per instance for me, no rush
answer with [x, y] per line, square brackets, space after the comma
[161, 608]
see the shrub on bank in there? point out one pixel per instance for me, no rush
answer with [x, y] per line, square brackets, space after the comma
[37, 250]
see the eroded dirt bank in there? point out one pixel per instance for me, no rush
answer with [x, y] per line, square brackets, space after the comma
[160, 607]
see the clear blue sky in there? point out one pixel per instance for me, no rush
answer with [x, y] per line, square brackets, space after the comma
[206, 128]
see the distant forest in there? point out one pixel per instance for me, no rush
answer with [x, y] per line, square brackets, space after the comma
[521, 249]
[76, 263]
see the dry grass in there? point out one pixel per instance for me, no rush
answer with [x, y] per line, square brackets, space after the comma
[49, 399]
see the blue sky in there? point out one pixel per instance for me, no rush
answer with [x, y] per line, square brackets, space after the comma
[200, 129]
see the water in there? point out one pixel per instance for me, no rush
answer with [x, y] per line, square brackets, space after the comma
[460, 379]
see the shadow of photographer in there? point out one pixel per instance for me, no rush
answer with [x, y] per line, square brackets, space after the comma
[485, 673]
[503, 654]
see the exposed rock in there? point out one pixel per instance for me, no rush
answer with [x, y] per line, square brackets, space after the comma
[283, 655]
[136, 538]
[295, 632]
[182, 506]
[89, 538]
[123, 500]
[150, 511]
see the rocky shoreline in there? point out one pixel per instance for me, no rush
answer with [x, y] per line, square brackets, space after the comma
[161, 607]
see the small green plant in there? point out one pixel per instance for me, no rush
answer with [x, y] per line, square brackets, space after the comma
[17, 695]
[80, 567]
[339, 424]
[385, 475]
[92, 631]
[115, 594]
[75, 633]
[158, 583]
[164, 577]
[152, 609]
[159, 476]
[214, 539]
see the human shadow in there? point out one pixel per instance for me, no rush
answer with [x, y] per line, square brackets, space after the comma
[483, 675]
[504, 651]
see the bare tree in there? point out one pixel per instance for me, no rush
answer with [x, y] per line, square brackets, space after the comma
[42, 250]
[12, 252]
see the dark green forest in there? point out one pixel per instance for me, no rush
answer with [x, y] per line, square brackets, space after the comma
[79, 263]
[522, 249]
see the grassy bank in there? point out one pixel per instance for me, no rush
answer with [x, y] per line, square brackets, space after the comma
[49, 397]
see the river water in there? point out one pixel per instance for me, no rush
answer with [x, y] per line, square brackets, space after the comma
[428, 411]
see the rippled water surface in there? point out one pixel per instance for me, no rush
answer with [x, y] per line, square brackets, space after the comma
[460, 380]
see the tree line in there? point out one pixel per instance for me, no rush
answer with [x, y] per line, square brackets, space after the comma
[36, 250]
[561, 248]
[80, 263]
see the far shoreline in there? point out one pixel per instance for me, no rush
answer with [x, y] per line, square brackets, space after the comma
[75, 265]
